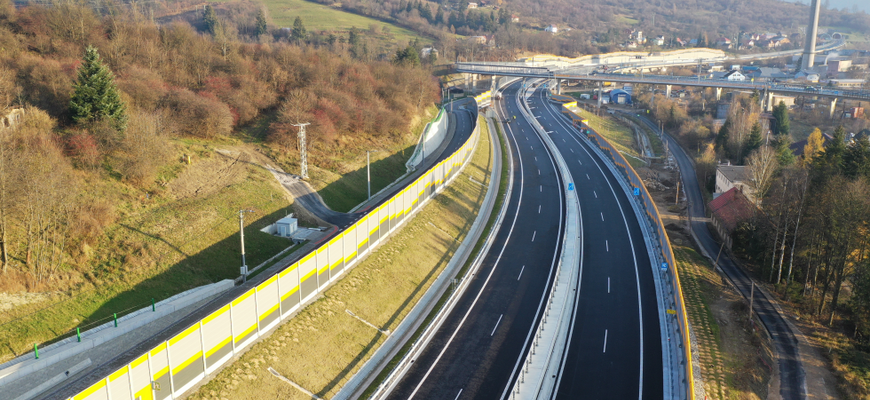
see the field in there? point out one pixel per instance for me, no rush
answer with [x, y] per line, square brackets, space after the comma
[619, 135]
[323, 346]
[319, 17]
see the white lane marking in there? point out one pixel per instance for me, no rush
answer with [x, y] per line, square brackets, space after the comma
[535, 233]
[563, 140]
[541, 187]
[457, 394]
[595, 193]
[605, 341]
[607, 244]
[539, 208]
[536, 158]
[532, 147]
[496, 325]
[608, 284]
[602, 216]
[587, 177]
[572, 150]
[521, 272]
[633, 254]
[581, 162]
[539, 172]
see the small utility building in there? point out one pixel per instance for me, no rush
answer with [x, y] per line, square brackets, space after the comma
[286, 226]
[619, 96]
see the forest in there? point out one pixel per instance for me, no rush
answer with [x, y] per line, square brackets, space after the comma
[170, 82]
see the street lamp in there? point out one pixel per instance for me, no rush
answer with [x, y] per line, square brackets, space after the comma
[244, 269]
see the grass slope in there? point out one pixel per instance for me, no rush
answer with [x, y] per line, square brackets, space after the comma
[323, 346]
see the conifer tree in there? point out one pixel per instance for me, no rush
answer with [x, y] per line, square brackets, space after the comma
[210, 18]
[780, 114]
[96, 97]
[299, 31]
[262, 28]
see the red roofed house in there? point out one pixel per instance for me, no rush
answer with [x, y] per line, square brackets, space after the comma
[729, 210]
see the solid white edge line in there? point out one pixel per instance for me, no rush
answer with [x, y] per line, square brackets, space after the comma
[631, 242]
[549, 276]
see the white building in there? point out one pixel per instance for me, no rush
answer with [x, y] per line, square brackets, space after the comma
[734, 76]
[552, 29]
[472, 5]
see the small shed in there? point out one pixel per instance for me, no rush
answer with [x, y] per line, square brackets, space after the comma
[286, 226]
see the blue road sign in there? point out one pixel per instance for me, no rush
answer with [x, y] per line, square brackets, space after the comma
[664, 266]
[637, 191]
[570, 186]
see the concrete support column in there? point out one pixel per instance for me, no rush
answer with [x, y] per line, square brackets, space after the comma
[769, 106]
[718, 93]
[473, 83]
[494, 84]
[668, 91]
[558, 86]
[600, 93]
[465, 77]
[833, 106]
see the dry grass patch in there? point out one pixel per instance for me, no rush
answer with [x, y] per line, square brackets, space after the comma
[323, 346]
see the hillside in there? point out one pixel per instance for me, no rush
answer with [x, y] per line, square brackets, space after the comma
[98, 218]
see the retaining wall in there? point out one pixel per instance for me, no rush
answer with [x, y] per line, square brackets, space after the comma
[179, 363]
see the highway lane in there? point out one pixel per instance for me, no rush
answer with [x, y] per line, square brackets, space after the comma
[792, 375]
[615, 347]
[476, 351]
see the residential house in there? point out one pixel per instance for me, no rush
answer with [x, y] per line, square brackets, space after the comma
[472, 5]
[552, 29]
[682, 42]
[808, 76]
[723, 42]
[846, 83]
[729, 210]
[732, 176]
[734, 75]
[660, 40]
[478, 39]
[836, 66]
[515, 18]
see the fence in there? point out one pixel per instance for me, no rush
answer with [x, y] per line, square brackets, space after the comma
[667, 253]
[179, 363]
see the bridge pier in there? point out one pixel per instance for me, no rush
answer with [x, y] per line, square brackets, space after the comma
[494, 85]
[600, 94]
[768, 106]
[473, 83]
[718, 93]
[668, 91]
[833, 106]
[558, 86]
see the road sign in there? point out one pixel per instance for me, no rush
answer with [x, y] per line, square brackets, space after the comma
[674, 312]
[637, 191]
[664, 266]
[570, 186]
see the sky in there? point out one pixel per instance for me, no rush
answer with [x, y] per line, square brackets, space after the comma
[840, 4]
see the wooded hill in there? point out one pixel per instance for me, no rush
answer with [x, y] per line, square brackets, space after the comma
[175, 82]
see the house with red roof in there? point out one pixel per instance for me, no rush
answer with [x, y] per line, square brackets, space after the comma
[729, 210]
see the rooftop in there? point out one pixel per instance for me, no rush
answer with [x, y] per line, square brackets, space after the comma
[732, 208]
[734, 173]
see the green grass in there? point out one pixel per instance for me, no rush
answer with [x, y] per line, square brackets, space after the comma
[619, 135]
[319, 17]
[624, 19]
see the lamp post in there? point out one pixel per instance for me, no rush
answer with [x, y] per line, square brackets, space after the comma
[244, 269]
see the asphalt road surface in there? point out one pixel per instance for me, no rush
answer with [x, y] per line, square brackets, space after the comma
[476, 352]
[792, 378]
[615, 346]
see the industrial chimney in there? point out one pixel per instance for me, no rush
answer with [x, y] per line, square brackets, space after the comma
[809, 56]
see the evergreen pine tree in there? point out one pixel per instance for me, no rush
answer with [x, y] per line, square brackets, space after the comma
[299, 31]
[754, 141]
[210, 18]
[784, 154]
[262, 28]
[780, 114]
[95, 95]
[722, 136]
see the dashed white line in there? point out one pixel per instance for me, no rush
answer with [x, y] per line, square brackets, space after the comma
[521, 272]
[496, 327]
[457, 394]
[602, 216]
[539, 172]
[563, 140]
[541, 188]
[608, 284]
[572, 150]
[587, 177]
[539, 208]
[605, 341]
[535, 233]
[536, 158]
[595, 193]
[581, 162]
[532, 147]
[607, 244]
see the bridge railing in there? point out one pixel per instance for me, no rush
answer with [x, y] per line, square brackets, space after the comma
[191, 354]
[664, 245]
